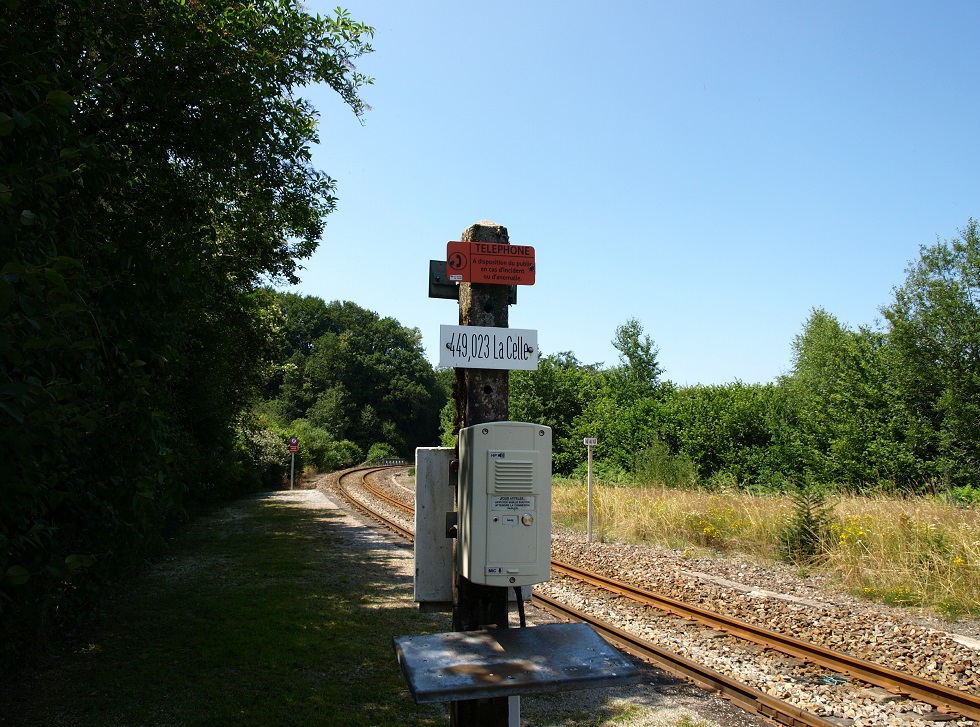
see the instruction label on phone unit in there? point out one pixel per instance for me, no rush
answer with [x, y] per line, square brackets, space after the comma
[511, 502]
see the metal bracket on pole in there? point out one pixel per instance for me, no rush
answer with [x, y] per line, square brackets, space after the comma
[440, 286]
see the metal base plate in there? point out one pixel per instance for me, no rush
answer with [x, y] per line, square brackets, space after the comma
[504, 662]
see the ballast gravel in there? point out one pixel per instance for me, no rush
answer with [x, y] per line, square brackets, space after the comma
[768, 594]
[774, 596]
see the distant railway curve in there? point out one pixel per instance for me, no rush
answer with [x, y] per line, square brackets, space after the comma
[352, 481]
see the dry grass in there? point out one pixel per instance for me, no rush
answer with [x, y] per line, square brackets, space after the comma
[910, 552]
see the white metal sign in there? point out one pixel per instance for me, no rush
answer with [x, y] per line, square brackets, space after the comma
[590, 441]
[479, 347]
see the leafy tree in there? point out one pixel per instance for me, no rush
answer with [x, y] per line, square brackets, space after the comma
[556, 394]
[623, 428]
[625, 413]
[935, 335]
[364, 378]
[839, 390]
[731, 430]
[155, 168]
[820, 389]
[303, 319]
[638, 374]
[332, 411]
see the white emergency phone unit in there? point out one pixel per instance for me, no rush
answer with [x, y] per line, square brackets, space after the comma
[505, 503]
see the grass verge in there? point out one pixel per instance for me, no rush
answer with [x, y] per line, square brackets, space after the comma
[907, 552]
[266, 613]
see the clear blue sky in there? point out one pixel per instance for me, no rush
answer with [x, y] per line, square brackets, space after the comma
[715, 170]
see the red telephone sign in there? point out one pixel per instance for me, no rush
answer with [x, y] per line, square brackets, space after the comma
[490, 263]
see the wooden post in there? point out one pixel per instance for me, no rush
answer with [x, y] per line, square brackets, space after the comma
[481, 396]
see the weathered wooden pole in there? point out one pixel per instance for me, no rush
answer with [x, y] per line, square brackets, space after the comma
[481, 396]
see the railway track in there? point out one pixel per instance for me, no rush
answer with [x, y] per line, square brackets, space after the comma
[869, 672]
[749, 699]
[947, 700]
[362, 476]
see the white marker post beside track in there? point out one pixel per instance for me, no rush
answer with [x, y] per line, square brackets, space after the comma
[590, 442]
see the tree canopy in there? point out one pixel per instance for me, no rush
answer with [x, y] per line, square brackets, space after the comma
[155, 171]
[355, 375]
[894, 406]
[935, 357]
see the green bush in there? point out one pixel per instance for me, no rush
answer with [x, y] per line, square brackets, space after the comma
[605, 472]
[967, 495]
[380, 451]
[806, 534]
[319, 450]
[315, 444]
[656, 465]
[263, 456]
[345, 453]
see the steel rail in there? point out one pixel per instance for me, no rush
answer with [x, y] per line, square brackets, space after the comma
[745, 697]
[867, 671]
[936, 694]
[363, 473]
[945, 698]
[383, 496]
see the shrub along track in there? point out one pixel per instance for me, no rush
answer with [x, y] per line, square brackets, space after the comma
[832, 687]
